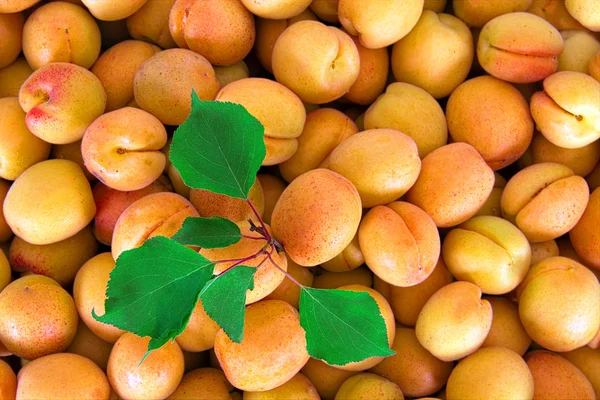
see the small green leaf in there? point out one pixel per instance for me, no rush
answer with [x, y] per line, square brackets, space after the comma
[224, 299]
[208, 233]
[342, 326]
[153, 289]
[219, 147]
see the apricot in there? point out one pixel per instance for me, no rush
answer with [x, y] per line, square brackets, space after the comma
[349, 259]
[413, 368]
[333, 280]
[59, 261]
[200, 331]
[8, 381]
[277, 108]
[287, 290]
[400, 243]
[372, 76]
[266, 278]
[163, 84]
[203, 383]
[211, 204]
[489, 252]
[12, 77]
[581, 160]
[58, 110]
[34, 304]
[110, 204]
[157, 214]
[412, 111]
[112, 10]
[507, 330]
[593, 178]
[192, 27]
[231, 73]
[436, 55]
[317, 216]
[324, 130]
[5, 272]
[492, 204]
[519, 47]
[11, 29]
[567, 112]
[326, 10]
[382, 23]
[454, 322]
[268, 31]
[555, 12]
[535, 200]
[19, 148]
[434, 5]
[334, 61]
[542, 250]
[89, 293]
[388, 317]
[180, 187]
[272, 351]
[593, 67]
[13, 6]
[476, 14]
[554, 304]
[325, 378]
[276, 9]
[453, 184]
[496, 370]
[116, 69]
[122, 148]
[157, 377]
[372, 159]
[151, 23]
[297, 387]
[61, 32]
[5, 231]
[369, 386]
[555, 377]
[587, 361]
[580, 48]
[585, 236]
[493, 117]
[63, 200]
[87, 344]
[71, 152]
[272, 187]
[587, 12]
[61, 376]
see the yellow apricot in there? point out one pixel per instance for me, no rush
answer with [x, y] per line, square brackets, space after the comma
[372, 76]
[588, 362]
[272, 188]
[477, 14]
[349, 259]
[587, 12]
[585, 236]
[151, 23]
[12, 77]
[287, 290]
[199, 333]
[210, 204]
[507, 329]
[332, 280]
[369, 386]
[11, 26]
[299, 387]
[87, 344]
[203, 383]
[581, 160]
[326, 379]
[276, 9]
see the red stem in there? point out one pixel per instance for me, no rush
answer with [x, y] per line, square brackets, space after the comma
[260, 221]
[290, 277]
[253, 238]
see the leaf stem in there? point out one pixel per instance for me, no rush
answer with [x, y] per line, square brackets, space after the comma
[287, 274]
[253, 237]
[265, 231]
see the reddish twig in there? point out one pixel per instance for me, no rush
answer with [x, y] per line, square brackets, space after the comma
[287, 274]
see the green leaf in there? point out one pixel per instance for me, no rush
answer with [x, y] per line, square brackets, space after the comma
[342, 326]
[224, 299]
[208, 233]
[219, 147]
[153, 289]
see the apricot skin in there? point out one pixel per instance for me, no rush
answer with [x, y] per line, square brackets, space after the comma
[507, 329]
[12, 77]
[326, 379]
[203, 383]
[122, 148]
[11, 30]
[8, 381]
[87, 344]
[477, 14]
[37, 317]
[62, 375]
[369, 386]
[151, 23]
[211, 204]
[64, 202]
[272, 351]
[585, 236]
[317, 216]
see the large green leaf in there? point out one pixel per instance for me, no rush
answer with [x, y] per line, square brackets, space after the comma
[342, 326]
[224, 299]
[219, 147]
[208, 233]
[153, 289]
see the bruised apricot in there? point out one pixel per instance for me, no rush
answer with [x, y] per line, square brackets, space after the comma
[272, 351]
[317, 216]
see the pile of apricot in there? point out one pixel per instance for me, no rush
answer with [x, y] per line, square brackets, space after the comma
[441, 156]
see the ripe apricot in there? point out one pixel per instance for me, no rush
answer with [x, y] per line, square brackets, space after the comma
[61, 376]
[317, 216]
[210, 204]
[87, 344]
[11, 27]
[581, 160]
[585, 236]
[277, 9]
[477, 14]
[369, 386]
[287, 290]
[507, 329]
[203, 383]
[297, 387]
[151, 23]
[8, 381]
[349, 259]
[372, 76]
[157, 377]
[333, 280]
[580, 48]
[272, 351]
[326, 379]
[12, 77]
[272, 187]
[34, 304]
[588, 362]
[63, 199]
[587, 12]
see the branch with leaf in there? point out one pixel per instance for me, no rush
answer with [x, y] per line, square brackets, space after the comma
[154, 288]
